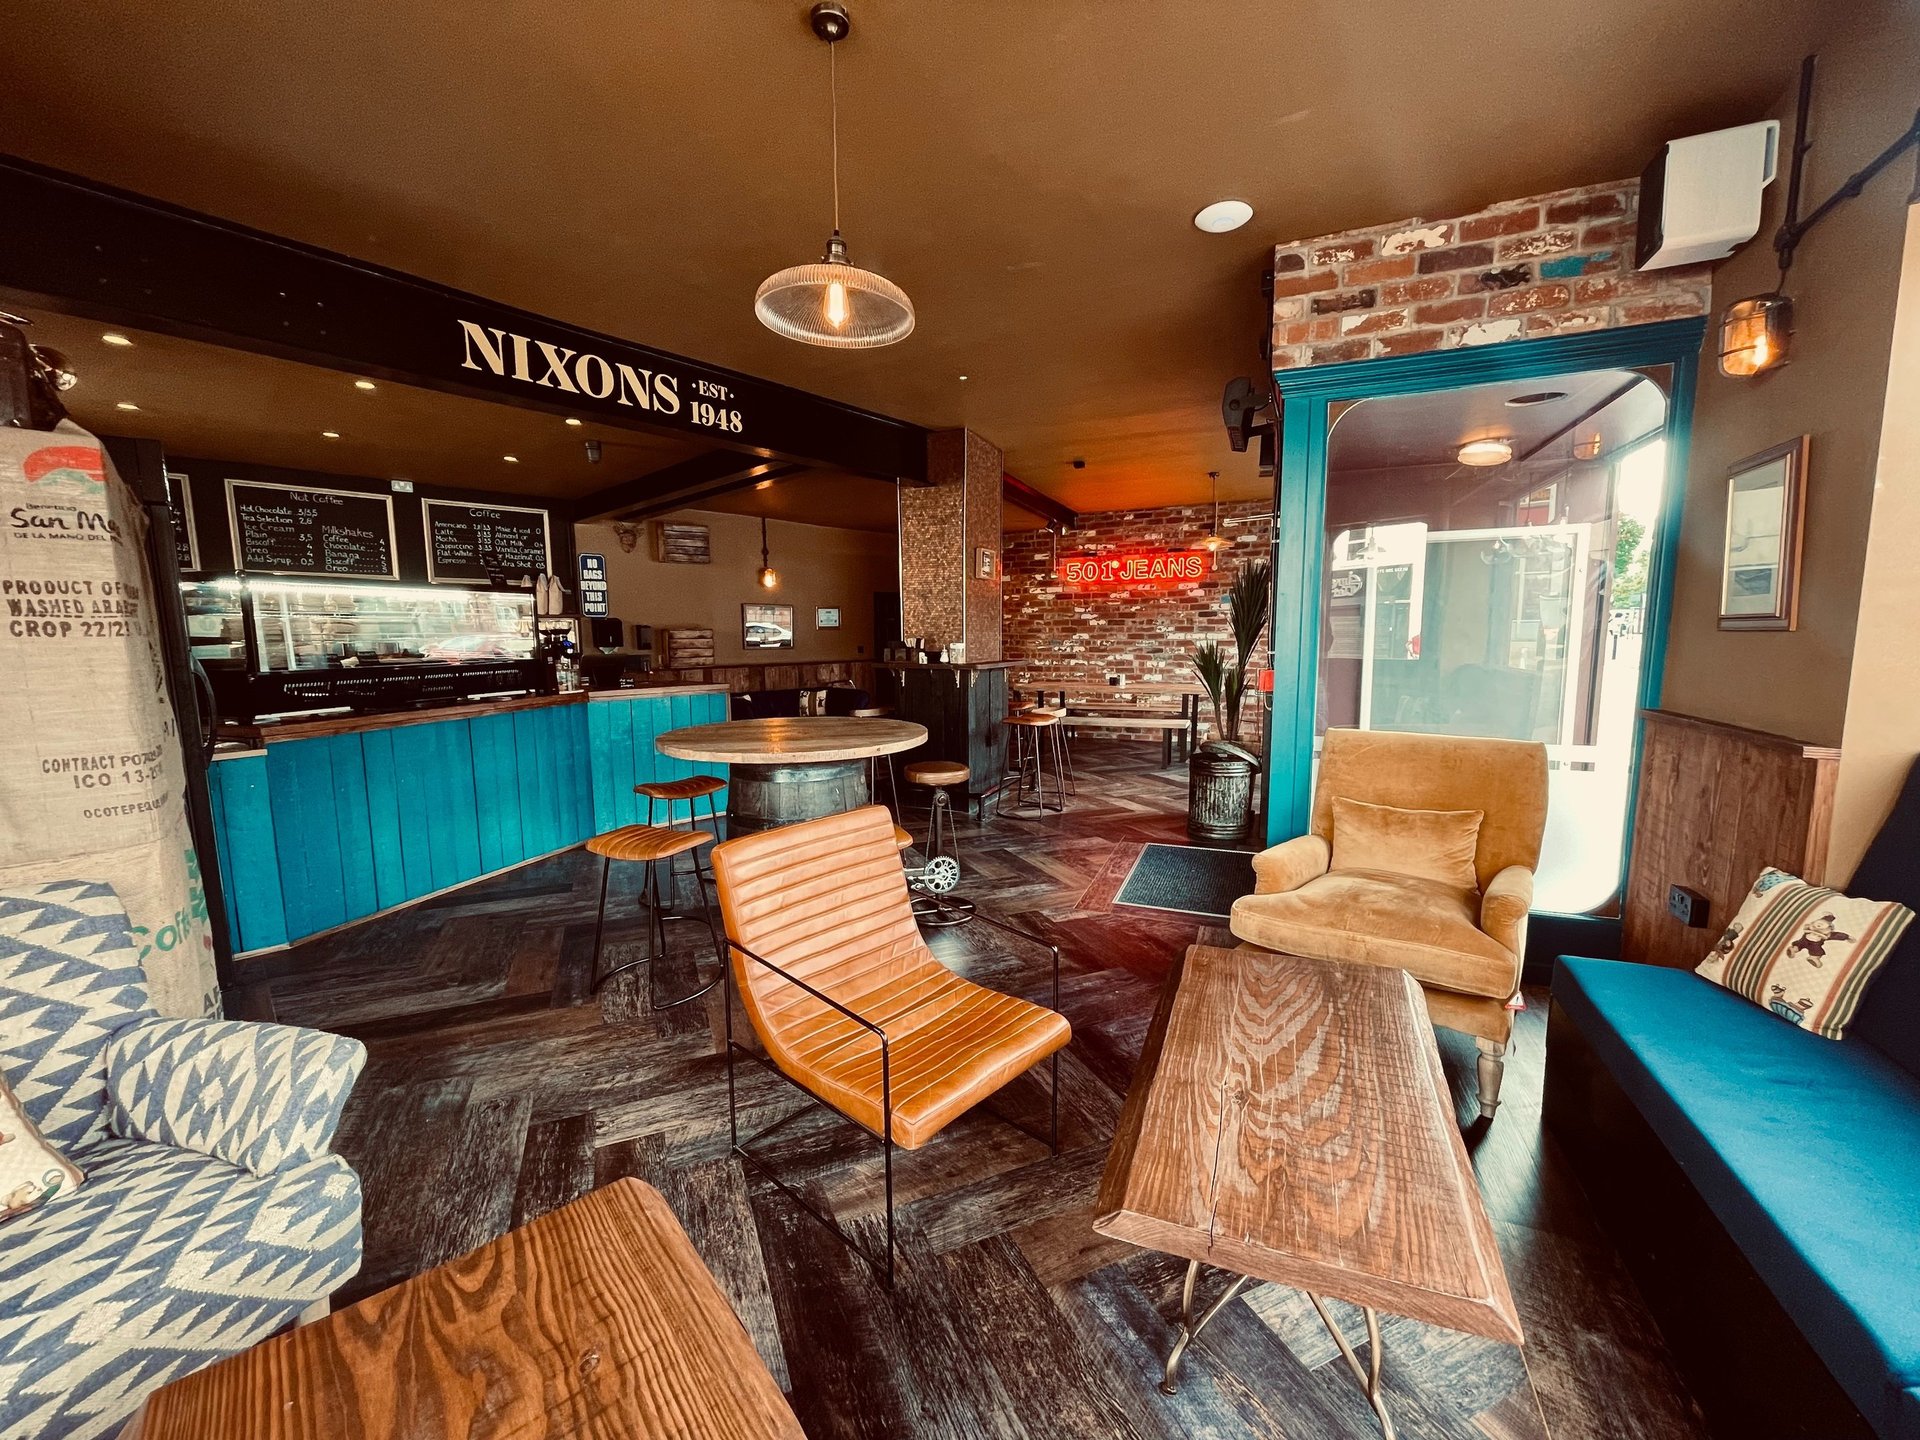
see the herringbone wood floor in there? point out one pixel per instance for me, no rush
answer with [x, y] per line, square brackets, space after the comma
[497, 1088]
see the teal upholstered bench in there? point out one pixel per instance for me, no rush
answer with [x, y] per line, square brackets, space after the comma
[1764, 1183]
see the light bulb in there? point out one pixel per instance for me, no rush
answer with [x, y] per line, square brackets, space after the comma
[768, 580]
[837, 305]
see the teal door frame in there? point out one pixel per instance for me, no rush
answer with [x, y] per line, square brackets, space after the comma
[1300, 510]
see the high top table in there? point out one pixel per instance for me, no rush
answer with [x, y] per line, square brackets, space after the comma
[791, 769]
[1289, 1121]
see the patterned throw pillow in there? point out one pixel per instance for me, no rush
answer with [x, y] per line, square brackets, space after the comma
[1804, 951]
[31, 1171]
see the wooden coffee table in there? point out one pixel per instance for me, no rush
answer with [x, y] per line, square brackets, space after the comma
[597, 1320]
[1289, 1122]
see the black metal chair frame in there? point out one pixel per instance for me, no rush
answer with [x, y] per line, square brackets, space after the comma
[1019, 754]
[657, 917]
[1051, 1140]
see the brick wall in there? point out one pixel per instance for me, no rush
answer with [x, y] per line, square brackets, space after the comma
[1542, 266]
[1060, 632]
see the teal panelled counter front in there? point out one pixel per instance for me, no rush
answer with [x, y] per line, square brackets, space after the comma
[331, 821]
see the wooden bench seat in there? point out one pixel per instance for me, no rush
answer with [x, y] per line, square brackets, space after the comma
[1143, 720]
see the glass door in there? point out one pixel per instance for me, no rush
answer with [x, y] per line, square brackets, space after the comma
[1485, 573]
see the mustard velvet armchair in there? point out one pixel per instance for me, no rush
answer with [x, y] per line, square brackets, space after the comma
[1464, 944]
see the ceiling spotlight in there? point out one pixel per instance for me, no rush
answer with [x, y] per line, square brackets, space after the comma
[511, 459]
[1536, 397]
[1485, 452]
[330, 434]
[574, 420]
[963, 377]
[126, 405]
[1222, 216]
[114, 337]
[363, 385]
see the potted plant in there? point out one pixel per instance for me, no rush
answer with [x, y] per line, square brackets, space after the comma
[1220, 772]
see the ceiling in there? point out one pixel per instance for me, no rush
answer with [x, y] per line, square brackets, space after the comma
[1026, 172]
[1616, 407]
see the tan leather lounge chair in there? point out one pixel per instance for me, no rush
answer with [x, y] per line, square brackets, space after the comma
[849, 1003]
[1383, 879]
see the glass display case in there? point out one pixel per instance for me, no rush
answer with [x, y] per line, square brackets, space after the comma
[290, 646]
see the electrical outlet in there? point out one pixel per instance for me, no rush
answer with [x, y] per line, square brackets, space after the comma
[1689, 907]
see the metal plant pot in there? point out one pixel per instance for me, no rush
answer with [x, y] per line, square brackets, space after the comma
[1220, 791]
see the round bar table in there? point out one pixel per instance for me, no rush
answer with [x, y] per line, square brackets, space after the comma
[791, 769]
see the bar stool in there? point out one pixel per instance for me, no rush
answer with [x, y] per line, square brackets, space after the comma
[934, 881]
[1058, 737]
[648, 845]
[692, 789]
[1029, 747]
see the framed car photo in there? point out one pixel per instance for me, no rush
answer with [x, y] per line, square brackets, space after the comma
[766, 627]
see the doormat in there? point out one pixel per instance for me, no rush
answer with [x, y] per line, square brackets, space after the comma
[1189, 879]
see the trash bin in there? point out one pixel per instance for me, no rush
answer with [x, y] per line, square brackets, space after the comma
[1220, 791]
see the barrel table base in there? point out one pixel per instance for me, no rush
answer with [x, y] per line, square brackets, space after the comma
[764, 797]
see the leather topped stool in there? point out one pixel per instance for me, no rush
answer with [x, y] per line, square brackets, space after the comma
[1036, 738]
[692, 789]
[938, 876]
[648, 845]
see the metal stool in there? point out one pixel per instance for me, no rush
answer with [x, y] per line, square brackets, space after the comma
[934, 902]
[1059, 738]
[648, 845]
[691, 789]
[874, 764]
[1029, 747]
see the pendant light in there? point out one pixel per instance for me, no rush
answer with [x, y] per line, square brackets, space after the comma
[1214, 540]
[769, 580]
[834, 303]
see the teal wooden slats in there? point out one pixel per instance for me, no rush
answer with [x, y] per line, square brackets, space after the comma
[383, 819]
[358, 889]
[317, 832]
[414, 783]
[495, 793]
[300, 773]
[249, 858]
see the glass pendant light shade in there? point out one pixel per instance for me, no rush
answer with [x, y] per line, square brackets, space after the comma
[769, 579]
[1213, 540]
[834, 303]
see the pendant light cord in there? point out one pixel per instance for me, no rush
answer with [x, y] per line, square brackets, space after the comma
[833, 89]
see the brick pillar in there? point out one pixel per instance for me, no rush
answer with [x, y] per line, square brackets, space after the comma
[949, 533]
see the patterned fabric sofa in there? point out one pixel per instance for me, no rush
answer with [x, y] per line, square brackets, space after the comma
[212, 1213]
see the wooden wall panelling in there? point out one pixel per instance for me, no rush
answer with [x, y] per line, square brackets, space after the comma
[1718, 804]
[244, 835]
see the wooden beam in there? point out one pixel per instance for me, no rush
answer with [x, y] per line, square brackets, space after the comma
[676, 486]
[1045, 506]
[110, 255]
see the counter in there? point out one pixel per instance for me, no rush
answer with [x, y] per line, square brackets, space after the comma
[963, 708]
[325, 822]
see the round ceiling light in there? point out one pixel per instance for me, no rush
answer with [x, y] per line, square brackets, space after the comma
[1485, 452]
[1222, 216]
[126, 405]
[114, 337]
[329, 434]
[575, 420]
[364, 385]
[1536, 397]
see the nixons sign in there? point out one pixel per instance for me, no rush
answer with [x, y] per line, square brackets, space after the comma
[581, 372]
[1172, 567]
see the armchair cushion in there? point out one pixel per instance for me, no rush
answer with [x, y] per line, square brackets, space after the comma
[1436, 844]
[1421, 926]
[1503, 909]
[1290, 865]
[263, 1097]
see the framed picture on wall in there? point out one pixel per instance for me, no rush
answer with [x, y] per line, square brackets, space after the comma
[826, 617]
[1766, 508]
[766, 627]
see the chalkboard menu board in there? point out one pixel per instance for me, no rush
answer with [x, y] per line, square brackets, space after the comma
[467, 542]
[289, 530]
[186, 548]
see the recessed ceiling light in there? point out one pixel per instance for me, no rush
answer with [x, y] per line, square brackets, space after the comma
[511, 459]
[126, 405]
[963, 377]
[575, 420]
[1537, 397]
[114, 337]
[1485, 452]
[1222, 216]
[363, 385]
[330, 434]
